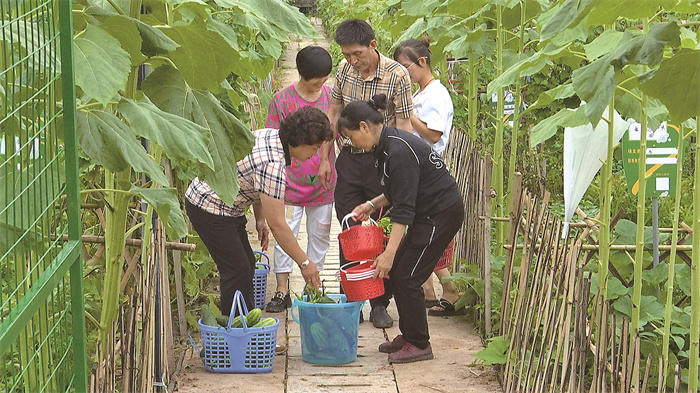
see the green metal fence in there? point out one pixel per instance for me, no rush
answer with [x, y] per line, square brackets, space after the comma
[42, 325]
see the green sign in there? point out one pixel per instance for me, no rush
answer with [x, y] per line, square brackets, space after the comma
[661, 159]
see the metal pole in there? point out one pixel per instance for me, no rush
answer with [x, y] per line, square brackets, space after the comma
[72, 191]
[655, 232]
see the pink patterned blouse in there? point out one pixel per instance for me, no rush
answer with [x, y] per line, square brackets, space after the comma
[303, 187]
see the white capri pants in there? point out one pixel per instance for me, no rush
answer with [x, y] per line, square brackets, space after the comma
[318, 229]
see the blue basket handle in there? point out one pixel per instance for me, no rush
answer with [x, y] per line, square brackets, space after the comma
[262, 254]
[291, 311]
[238, 305]
[266, 265]
[193, 343]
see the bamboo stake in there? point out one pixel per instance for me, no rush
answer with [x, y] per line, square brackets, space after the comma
[646, 374]
[613, 354]
[621, 247]
[516, 210]
[624, 386]
[190, 247]
[177, 272]
[486, 205]
[662, 376]
[637, 360]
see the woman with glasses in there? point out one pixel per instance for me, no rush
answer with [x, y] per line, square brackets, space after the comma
[424, 198]
[432, 122]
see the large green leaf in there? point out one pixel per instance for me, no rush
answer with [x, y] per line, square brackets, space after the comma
[230, 140]
[419, 7]
[646, 49]
[271, 47]
[495, 352]
[567, 15]
[656, 275]
[112, 144]
[676, 83]
[124, 5]
[474, 43]
[512, 13]
[204, 57]
[549, 126]
[603, 44]
[650, 308]
[127, 34]
[155, 42]
[184, 142]
[525, 67]
[607, 12]
[227, 31]
[243, 22]
[30, 36]
[461, 8]
[549, 96]
[101, 65]
[166, 204]
[278, 13]
[595, 83]
[415, 30]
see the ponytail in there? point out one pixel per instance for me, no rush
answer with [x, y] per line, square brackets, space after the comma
[359, 111]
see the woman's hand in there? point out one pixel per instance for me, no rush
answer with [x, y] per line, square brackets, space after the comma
[382, 264]
[362, 212]
[263, 234]
[310, 274]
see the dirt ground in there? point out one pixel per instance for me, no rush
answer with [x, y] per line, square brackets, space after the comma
[452, 339]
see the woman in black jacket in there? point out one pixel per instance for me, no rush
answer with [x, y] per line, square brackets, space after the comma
[425, 199]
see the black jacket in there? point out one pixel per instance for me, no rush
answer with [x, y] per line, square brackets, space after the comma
[414, 178]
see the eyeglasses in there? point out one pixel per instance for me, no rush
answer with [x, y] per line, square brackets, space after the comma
[415, 62]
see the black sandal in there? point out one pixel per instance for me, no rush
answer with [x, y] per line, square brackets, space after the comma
[448, 309]
[429, 303]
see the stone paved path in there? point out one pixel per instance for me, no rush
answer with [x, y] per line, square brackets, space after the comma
[452, 339]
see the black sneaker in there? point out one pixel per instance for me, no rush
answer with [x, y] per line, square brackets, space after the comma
[380, 318]
[280, 302]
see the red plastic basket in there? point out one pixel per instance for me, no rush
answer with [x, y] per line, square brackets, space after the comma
[446, 258]
[360, 242]
[357, 282]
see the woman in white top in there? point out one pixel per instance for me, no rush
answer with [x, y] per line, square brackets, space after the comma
[432, 121]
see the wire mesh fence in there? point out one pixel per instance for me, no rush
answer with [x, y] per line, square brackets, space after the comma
[42, 340]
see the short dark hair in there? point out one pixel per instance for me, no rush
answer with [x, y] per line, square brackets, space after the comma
[314, 62]
[367, 111]
[354, 31]
[305, 126]
[414, 49]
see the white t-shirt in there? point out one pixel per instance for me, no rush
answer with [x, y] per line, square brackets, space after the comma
[433, 106]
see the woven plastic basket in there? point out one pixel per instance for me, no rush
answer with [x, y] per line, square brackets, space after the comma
[262, 269]
[446, 258]
[356, 280]
[360, 242]
[239, 350]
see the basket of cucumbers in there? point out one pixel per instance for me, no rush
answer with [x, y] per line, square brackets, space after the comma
[328, 326]
[241, 342]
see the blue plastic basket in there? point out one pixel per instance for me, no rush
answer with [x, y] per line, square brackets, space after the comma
[239, 350]
[340, 322]
[260, 280]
